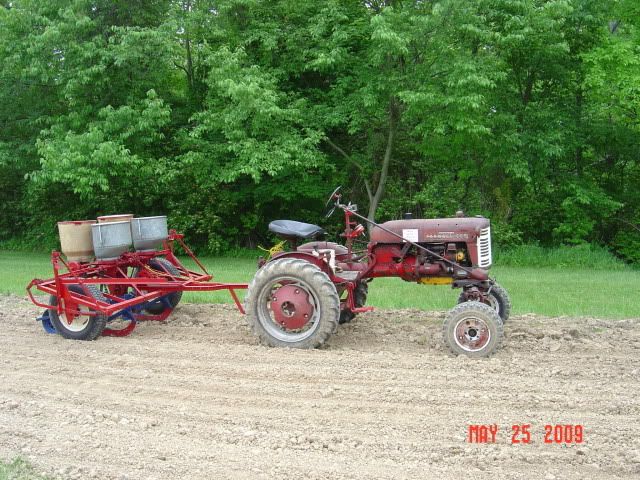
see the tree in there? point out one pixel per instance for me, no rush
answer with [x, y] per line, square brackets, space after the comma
[226, 114]
[398, 73]
[611, 87]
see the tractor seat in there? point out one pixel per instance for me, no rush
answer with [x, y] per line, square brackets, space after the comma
[290, 229]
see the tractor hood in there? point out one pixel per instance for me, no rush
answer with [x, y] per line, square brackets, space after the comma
[435, 230]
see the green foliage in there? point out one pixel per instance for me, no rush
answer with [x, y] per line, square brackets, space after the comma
[505, 236]
[248, 124]
[19, 469]
[584, 256]
[101, 157]
[581, 210]
[627, 245]
[228, 114]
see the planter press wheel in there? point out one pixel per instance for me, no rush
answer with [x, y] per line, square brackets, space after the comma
[166, 303]
[81, 326]
[123, 325]
[292, 303]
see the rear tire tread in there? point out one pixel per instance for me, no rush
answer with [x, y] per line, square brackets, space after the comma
[312, 275]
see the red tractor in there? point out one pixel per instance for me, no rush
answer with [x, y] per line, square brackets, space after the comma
[298, 297]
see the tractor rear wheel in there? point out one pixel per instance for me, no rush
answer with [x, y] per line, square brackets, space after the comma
[360, 297]
[81, 327]
[498, 299]
[473, 329]
[292, 303]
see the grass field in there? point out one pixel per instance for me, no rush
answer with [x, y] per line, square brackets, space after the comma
[563, 290]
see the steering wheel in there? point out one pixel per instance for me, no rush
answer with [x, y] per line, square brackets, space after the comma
[329, 210]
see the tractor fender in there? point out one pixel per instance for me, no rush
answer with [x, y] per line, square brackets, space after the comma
[306, 256]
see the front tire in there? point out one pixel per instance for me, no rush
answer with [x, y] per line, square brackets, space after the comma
[473, 329]
[82, 327]
[498, 299]
[292, 303]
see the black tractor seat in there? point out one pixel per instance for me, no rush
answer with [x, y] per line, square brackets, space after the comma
[290, 229]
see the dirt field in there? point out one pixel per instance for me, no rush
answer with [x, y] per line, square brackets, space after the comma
[196, 398]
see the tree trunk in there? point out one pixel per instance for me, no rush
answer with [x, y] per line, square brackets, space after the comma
[187, 44]
[579, 148]
[374, 198]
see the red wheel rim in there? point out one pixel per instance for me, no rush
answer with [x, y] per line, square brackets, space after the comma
[472, 334]
[291, 307]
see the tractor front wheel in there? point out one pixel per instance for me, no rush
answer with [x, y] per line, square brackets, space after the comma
[473, 329]
[497, 298]
[292, 303]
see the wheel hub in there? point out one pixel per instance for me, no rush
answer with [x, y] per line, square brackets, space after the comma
[472, 334]
[75, 322]
[473, 294]
[291, 307]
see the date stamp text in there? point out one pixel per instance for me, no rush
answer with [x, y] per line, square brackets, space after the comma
[523, 433]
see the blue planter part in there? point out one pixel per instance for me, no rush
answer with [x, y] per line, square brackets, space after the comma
[46, 323]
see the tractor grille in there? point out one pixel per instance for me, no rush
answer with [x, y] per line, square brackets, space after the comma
[484, 248]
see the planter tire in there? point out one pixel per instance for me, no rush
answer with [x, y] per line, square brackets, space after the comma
[473, 329]
[83, 327]
[158, 307]
[305, 321]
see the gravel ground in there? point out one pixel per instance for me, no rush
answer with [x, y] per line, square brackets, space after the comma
[197, 398]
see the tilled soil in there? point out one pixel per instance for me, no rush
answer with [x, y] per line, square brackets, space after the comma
[197, 398]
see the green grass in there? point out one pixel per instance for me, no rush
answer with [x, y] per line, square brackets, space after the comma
[608, 290]
[18, 469]
[547, 291]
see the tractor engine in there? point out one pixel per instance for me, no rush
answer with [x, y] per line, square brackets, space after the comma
[466, 241]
